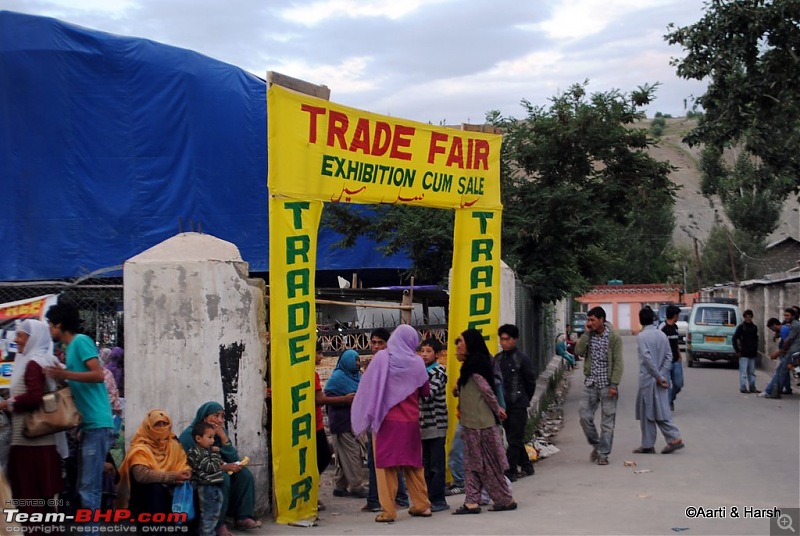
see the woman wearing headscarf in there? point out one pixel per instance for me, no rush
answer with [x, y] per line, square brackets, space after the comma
[561, 350]
[485, 460]
[116, 364]
[238, 490]
[34, 464]
[387, 405]
[154, 465]
[111, 387]
[349, 462]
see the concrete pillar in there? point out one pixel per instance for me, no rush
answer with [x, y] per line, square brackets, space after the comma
[508, 295]
[195, 331]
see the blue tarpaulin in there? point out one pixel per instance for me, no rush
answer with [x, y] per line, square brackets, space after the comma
[110, 145]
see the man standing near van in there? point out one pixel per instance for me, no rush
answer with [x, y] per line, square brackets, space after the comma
[745, 343]
[670, 329]
[601, 348]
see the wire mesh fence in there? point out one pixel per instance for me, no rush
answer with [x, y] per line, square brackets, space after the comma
[98, 299]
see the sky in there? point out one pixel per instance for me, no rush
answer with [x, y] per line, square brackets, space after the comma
[438, 61]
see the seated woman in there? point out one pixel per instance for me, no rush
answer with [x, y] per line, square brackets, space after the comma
[561, 349]
[238, 491]
[154, 464]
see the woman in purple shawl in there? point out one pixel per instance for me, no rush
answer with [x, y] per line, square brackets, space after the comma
[387, 405]
[116, 364]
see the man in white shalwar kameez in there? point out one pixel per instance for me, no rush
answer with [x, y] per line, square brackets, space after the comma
[652, 400]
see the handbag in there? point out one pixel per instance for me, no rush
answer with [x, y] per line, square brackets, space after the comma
[183, 500]
[56, 414]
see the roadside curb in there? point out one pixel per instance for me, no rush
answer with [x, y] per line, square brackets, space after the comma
[546, 384]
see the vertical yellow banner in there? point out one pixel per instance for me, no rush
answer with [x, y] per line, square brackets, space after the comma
[293, 259]
[474, 289]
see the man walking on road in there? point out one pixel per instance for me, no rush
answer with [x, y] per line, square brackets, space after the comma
[652, 400]
[745, 343]
[670, 329]
[601, 347]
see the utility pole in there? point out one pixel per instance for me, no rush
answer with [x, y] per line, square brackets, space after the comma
[730, 257]
[699, 267]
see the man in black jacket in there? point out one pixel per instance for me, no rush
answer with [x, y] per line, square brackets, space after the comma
[519, 383]
[745, 342]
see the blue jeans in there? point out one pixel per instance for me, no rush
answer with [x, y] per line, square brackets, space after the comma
[210, 502]
[747, 372]
[455, 459]
[593, 397]
[676, 380]
[95, 444]
[780, 379]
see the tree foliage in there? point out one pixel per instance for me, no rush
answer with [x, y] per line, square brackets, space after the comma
[748, 51]
[726, 250]
[583, 201]
[751, 199]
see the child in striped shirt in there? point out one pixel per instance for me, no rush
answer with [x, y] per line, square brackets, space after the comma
[433, 424]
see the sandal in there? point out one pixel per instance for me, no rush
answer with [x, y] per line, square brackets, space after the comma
[381, 518]
[417, 513]
[247, 524]
[464, 509]
[602, 461]
[497, 508]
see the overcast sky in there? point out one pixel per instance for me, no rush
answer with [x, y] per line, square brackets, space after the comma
[429, 60]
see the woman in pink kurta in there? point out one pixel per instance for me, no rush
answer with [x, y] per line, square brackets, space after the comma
[387, 404]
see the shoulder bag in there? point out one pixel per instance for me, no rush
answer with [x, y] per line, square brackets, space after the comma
[56, 414]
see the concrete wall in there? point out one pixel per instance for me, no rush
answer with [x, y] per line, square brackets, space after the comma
[768, 300]
[195, 331]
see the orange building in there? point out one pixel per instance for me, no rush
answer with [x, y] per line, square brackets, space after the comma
[622, 302]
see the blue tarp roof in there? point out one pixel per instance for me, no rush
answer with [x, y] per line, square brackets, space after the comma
[108, 144]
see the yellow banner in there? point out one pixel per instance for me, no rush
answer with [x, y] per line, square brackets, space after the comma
[293, 260]
[323, 151]
[475, 294]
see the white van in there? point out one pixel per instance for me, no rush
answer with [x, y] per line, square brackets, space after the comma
[710, 331]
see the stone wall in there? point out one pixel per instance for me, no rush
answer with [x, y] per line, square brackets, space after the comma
[195, 331]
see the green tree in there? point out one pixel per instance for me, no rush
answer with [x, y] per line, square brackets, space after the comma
[751, 199]
[748, 52]
[726, 250]
[583, 200]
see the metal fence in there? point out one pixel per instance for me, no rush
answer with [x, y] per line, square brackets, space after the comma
[536, 324]
[99, 301]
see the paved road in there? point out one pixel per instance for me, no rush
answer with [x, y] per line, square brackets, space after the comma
[741, 451]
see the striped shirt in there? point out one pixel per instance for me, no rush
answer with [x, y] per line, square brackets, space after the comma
[433, 409]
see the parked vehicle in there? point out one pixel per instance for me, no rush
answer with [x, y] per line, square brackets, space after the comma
[683, 325]
[710, 332]
[579, 323]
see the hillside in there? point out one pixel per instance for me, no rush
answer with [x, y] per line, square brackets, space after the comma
[694, 214]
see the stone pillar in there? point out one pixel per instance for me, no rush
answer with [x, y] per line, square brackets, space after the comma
[195, 331]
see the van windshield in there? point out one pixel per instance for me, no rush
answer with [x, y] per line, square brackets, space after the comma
[715, 316]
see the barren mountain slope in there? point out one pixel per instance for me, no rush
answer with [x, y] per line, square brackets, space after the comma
[694, 214]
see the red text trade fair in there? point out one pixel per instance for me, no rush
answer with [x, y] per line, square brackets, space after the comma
[377, 138]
